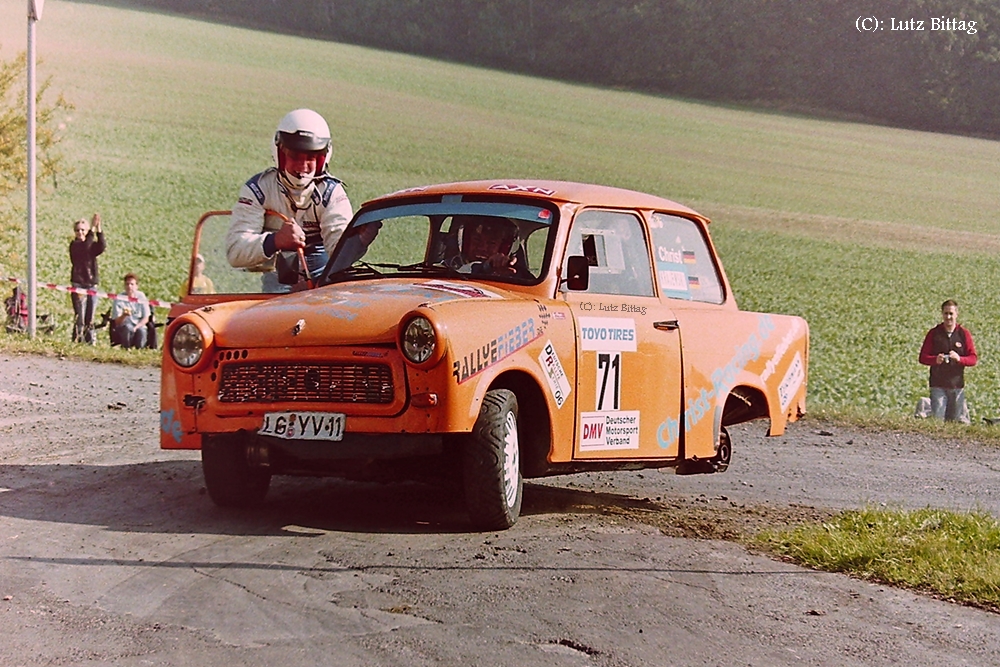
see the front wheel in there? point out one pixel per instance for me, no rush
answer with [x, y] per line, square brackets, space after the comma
[230, 479]
[491, 462]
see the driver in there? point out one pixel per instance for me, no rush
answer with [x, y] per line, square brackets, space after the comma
[487, 246]
[301, 189]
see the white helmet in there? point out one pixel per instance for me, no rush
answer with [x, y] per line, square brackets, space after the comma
[303, 130]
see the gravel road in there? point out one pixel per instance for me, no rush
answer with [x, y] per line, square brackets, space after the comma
[112, 554]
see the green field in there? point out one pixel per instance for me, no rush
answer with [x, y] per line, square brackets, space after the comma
[863, 230]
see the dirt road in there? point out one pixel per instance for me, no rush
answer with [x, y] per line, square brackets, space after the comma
[112, 554]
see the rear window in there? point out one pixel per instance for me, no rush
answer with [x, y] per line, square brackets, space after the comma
[685, 267]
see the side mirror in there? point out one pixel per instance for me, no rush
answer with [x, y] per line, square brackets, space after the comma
[577, 273]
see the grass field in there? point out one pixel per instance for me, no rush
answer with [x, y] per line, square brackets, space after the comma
[863, 230]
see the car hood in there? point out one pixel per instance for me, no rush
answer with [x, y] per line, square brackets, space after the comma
[346, 314]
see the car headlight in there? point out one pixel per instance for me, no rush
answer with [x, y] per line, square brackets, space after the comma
[419, 340]
[187, 345]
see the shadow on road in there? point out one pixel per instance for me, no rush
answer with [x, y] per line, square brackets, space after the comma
[169, 497]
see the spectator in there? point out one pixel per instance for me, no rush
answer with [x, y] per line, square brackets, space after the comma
[129, 316]
[299, 188]
[87, 244]
[200, 283]
[948, 349]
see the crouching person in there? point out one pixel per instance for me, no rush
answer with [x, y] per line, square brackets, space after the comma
[130, 315]
[948, 349]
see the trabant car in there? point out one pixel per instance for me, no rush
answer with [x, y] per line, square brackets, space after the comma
[604, 336]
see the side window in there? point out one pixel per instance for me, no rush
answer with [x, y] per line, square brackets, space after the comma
[616, 250]
[214, 275]
[685, 268]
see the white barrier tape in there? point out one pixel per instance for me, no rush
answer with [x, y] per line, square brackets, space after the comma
[92, 292]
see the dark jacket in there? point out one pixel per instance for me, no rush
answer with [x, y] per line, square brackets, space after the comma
[83, 256]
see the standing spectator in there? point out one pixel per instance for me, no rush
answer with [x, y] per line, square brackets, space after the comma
[87, 244]
[130, 315]
[948, 349]
[300, 188]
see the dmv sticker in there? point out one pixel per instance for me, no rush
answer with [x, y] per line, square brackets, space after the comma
[609, 430]
[607, 334]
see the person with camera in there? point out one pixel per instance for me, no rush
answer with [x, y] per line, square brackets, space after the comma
[948, 348]
[130, 314]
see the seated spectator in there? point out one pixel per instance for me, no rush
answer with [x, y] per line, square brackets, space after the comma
[129, 315]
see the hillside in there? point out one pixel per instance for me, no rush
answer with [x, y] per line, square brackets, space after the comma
[908, 63]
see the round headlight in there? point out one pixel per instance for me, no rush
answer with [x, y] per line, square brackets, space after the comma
[187, 345]
[419, 340]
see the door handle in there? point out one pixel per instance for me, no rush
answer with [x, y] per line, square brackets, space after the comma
[667, 325]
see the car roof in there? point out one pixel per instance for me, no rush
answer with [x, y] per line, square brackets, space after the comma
[555, 191]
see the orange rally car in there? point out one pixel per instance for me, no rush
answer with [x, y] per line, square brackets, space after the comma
[489, 331]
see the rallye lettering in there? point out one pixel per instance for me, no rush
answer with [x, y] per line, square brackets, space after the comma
[494, 351]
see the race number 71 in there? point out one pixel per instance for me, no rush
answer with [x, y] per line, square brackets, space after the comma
[609, 366]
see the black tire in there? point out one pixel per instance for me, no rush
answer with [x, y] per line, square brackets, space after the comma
[724, 451]
[231, 481]
[718, 463]
[491, 468]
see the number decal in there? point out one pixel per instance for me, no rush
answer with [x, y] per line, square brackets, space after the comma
[609, 396]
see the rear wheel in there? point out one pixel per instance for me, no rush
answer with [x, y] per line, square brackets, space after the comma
[230, 479]
[491, 462]
[718, 463]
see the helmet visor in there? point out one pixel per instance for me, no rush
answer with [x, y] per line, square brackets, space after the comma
[303, 142]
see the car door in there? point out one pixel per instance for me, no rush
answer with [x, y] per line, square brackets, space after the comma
[720, 341]
[628, 346]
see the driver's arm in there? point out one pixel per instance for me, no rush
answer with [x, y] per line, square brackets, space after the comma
[246, 235]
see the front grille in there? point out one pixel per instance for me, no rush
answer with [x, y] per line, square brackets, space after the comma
[331, 383]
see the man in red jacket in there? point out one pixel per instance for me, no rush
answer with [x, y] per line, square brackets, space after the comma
[948, 349]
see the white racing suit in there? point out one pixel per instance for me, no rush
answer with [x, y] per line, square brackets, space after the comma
[323, 217]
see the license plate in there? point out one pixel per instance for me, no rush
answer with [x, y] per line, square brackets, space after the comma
[304, 425]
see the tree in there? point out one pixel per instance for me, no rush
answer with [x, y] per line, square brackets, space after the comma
[14, 148]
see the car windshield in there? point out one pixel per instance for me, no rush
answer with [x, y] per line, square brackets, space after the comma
[484, 240]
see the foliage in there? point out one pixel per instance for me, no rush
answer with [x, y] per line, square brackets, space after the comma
[807, 54]
[13, 147]
[955, 555]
